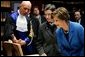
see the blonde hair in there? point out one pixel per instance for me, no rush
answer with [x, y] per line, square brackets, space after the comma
[62, 13]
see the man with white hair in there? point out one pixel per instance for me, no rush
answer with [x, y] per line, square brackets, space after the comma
[18, 27]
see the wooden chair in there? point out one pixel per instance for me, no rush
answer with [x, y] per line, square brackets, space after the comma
[14, 49]
[18, 50]
[7, 48]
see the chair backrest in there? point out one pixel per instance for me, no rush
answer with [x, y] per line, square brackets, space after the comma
[18, 49]
[12, 49]
[7, 48]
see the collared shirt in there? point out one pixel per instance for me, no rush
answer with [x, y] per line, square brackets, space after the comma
[21, 23]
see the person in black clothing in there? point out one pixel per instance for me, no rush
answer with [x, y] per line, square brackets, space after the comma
[79, 18]
[37, 15]
[45, 43]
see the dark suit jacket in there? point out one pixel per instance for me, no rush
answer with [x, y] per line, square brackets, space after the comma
[82, 22]
[35, 26]
[42, 18]
[45, 42]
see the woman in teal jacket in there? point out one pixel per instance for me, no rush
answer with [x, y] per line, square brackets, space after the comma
[69, 35]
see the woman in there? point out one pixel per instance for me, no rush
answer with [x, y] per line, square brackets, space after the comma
[70, 35]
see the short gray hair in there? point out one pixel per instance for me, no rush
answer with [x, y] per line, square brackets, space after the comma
[50, 7]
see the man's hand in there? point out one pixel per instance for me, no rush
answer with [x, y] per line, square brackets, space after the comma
[21, 42]
[43, 54]
[14, 39]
